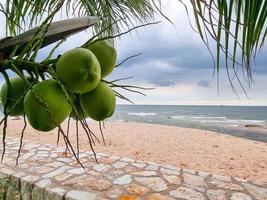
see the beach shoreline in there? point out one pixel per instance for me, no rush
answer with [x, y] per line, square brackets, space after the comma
[184, 147]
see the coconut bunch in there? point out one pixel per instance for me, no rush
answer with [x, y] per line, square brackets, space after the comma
[77, 90]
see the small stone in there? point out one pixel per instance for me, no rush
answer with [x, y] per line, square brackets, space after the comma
[240, 196]
[216, 194]
[169, 171]
[152, 167]
[156, 184]
[119, 165]
[172, 179]
[222, 178]
[187, 193]
[226, 185]
[101, 167]
[80, 195]
[77, 171]
[139, 165]
[145, 173]
[257, 192]
[123, 180]
[114, 193]
[157, 196]
[137, 190]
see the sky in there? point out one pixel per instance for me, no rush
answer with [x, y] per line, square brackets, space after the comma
[176, 63]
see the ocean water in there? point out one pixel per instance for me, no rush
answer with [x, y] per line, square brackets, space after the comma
[224, 119]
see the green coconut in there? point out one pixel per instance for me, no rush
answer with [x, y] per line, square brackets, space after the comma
[106, 55]
[100, 103]
[54, 112]
[14, 103]
[79, 70]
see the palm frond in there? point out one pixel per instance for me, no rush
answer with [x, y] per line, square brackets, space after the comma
[238, 27]
[24, 14]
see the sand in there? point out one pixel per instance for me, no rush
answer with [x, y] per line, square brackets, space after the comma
[184, 147]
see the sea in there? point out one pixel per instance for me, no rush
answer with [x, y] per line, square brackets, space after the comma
[222, 119]
[229, 120]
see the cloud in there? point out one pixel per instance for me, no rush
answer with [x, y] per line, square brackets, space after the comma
[203, 83]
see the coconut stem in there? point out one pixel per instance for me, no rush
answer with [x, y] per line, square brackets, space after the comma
[21, 139]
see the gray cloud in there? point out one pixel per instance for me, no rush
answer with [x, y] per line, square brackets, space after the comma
[203, 83]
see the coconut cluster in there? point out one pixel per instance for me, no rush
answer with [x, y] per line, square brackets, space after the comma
[80, 71]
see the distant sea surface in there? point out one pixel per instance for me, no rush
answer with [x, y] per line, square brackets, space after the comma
[223, 119]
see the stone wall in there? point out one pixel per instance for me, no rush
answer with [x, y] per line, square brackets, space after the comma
[44, 173]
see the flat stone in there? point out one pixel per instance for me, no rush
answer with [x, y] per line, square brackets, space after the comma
[57, 171]
[123, 180]
[137, 190]
[128, 197]
[195, 182]
[171, 167]
[240, 180]
[203, 174]
[65, 160]
[240, 196]
[257, 192]
[63, 176]
[169, 171]
[172, 179]
[129, 160]
[222, 178]
[152, 167]
[77, 171]
[114, 193]
[157, 196]
[80, 195]
[54, 164]
[145, 173]
[30, 178]
[54, 193]
[100, 185]
[216, 194]
[129, 169]
[101, 167]
[226, 185]
[189, 171]
[187, 193]
[138, 165]
[43, 183]
[119, 165]
[156, 184]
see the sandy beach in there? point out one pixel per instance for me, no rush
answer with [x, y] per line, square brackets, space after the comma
[184, 147]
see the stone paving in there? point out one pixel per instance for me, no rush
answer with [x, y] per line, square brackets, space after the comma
[44, 173]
